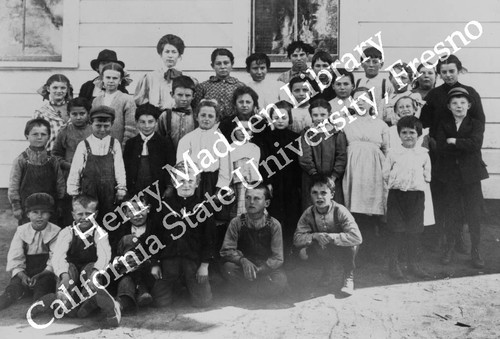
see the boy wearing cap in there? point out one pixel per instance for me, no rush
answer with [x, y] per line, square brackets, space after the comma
[93, 88]
[97, 168]
[30, 253]
[460, 167]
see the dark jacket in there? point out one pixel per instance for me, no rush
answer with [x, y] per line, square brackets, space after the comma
[436, 107]
[462, 162]
[87, 90]
[193, 239]
[161, 152]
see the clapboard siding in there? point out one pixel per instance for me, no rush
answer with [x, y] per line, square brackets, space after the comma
[130, 11]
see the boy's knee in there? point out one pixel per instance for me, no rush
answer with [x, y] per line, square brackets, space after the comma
[162, 294]
[229, 269]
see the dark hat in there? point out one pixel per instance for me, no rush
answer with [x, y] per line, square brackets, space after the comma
[39, 201]
[105, 55]
[102, 112]
[458, 91]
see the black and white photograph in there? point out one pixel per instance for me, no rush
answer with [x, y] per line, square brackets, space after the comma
[249, 169]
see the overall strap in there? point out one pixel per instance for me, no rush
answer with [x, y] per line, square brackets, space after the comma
[111, 145]
[169, 121]
[87, 146]
[314, 227]
[243, 220]
[357, 83]
[383, 88]
[25, 155]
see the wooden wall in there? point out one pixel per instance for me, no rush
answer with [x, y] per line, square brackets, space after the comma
[132, 28]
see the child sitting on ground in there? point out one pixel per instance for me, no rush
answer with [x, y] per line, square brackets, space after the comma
[178, 121]
[30, 254]
[82, 251]
[35, 171]
[407, 170]
[331, 231]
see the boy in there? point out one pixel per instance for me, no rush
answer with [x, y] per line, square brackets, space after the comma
[331, 231]
[30, 253]
[324, 153]
[134, 287]
[178, 121]
[253, 248]
[372, 62]
[301, 90]
[97, 168]
[221, 85]
[66, 142]
[82, 250]
[407, 171]
[460, 167]
[35, 171]
[297, 52]
[257, 65]
[188, 250]
[147, 153]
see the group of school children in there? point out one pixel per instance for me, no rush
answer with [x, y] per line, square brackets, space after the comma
[333, 156]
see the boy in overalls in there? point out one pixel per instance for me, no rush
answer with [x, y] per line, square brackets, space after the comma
[30, 253]
[97, 169]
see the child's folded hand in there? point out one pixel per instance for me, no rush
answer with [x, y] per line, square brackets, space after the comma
[156, 272]
[24, 278]
[120, 194]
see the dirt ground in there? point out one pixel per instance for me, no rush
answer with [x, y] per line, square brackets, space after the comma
[460, 302]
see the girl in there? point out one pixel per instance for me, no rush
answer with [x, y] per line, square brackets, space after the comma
[156, 87]
[56, 92]
[124, 126]
[284, 180]
[203, 139]
[343, 87]
[244, 152]
[321, 61]
[425, 81]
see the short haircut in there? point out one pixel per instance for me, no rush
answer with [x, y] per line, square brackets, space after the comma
[170, 39]
[413, 102]
[85, 200]
[283, 104]
[183, 167]
[308, 49]
[320, 102]
[147, 109]
[102, 119]
[322, 55]
[321, 179]
[371, 52]
[183, 81]
[36, 123]
[411, 122]
[259, 58]
[242, 90]
[263, 187]
[222, 52]
[298, 79]
[363, 89]
[114, 67]
[208, 103]
[80, 102]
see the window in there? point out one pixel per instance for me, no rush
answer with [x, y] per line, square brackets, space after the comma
[276, 23]
[38, 33]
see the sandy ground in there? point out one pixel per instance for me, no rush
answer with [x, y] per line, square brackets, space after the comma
[460, 302]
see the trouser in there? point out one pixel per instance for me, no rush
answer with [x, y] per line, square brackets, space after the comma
[326, 256]
[44, 285]
[269, 284]
[172, 269]
[128, 284]
[471, 196]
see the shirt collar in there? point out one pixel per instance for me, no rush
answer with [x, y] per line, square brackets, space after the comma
[27, 234]
[229, 80]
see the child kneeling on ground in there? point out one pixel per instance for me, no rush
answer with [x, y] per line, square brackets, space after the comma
[330, 230]
[30, 253]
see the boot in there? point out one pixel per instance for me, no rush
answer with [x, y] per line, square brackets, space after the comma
[460, 246]
[144, 298]
[348, 286]
[6, 300]
[448, 252]
[414, 257]
[394, 269]
[475, 239]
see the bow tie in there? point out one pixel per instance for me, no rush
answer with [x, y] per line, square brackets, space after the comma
[181, 110]
[171, 74]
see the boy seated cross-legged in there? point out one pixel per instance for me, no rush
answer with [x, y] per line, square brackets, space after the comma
[327, 230]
